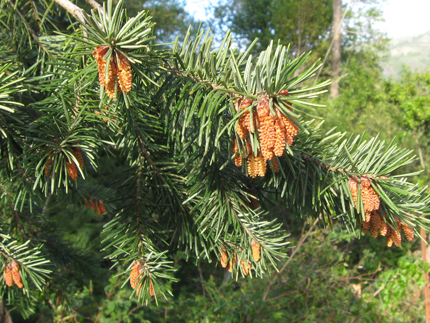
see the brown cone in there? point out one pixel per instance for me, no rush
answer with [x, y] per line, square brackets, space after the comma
[125, 77]
[93, 205]
[78, 154]
[98, 209]
[16, 275]
[151, 288]
[280, 139]
[232, 263]
[134, 274]
[374, 224]
[365, 227]
[409, 232]
[8, 274]
[86, 204]
[252, 166]
[276, 167]
[383, 229]
[261, 165]
[396, 236]
[353, 186]
[72, 170]
[48, 164]
[102, 207]
[223, 257]
[238, 157]
[246, 117]
[245, 267]
[255, 247]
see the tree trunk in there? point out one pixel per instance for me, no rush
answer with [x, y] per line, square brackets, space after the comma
[337, 17]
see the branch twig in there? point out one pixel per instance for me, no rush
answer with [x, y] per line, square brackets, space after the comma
[302, 240]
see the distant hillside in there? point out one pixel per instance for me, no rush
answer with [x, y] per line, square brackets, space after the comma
[411, 51]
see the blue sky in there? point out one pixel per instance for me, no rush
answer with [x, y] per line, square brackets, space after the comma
[403, 18]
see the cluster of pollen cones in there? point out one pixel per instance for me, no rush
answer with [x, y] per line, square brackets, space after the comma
[274, 132]
[12, 275]
[137, 270]
[96, 205]
[255, 249]
[375, 221]
[72, 168]
[119, 78]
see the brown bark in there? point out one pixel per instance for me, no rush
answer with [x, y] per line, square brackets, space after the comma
[426, 276]
[337, 20]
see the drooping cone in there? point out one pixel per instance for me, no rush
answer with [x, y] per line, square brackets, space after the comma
[232, 263]
[223, 257]
[291, 130]
[99, 53]
[93, 205]
[245, 118]
[245, 267]
[16, 275]
[280, 138]
[353, 186]
[151, 288]
[396, 236]
[365, 227]
[78, 154]
[255, 247]
[241, 129]
[409, 232]
[125, 77]
[102, 207]
[276, 167]
[134, 274]
[370, 198]
[238, 157]
[8, 274]
[252, 166]
[383, 229]
[98, 209]
[261, 165]
[72, 170]
[48, 164]
[86, 204]
[389, 237]
[266, 130]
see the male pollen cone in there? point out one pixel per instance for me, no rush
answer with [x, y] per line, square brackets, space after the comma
[98, 209]
[16, 275]
[232, 263]
[48, 164]
[151, 288]
[78, 154]
[223, 257]
[134, 274]
[72, 170]
[409, 232]
[238, 157]
[8, 275]
[266, 131]
[102, 207]
[255, 247]
[245, 267]
[93, 205]
[125, 77]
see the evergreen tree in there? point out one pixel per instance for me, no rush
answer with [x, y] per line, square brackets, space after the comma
[204, 135]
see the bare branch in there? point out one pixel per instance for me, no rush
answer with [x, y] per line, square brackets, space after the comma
[94, 4]
[302, 240]
[72, 9]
